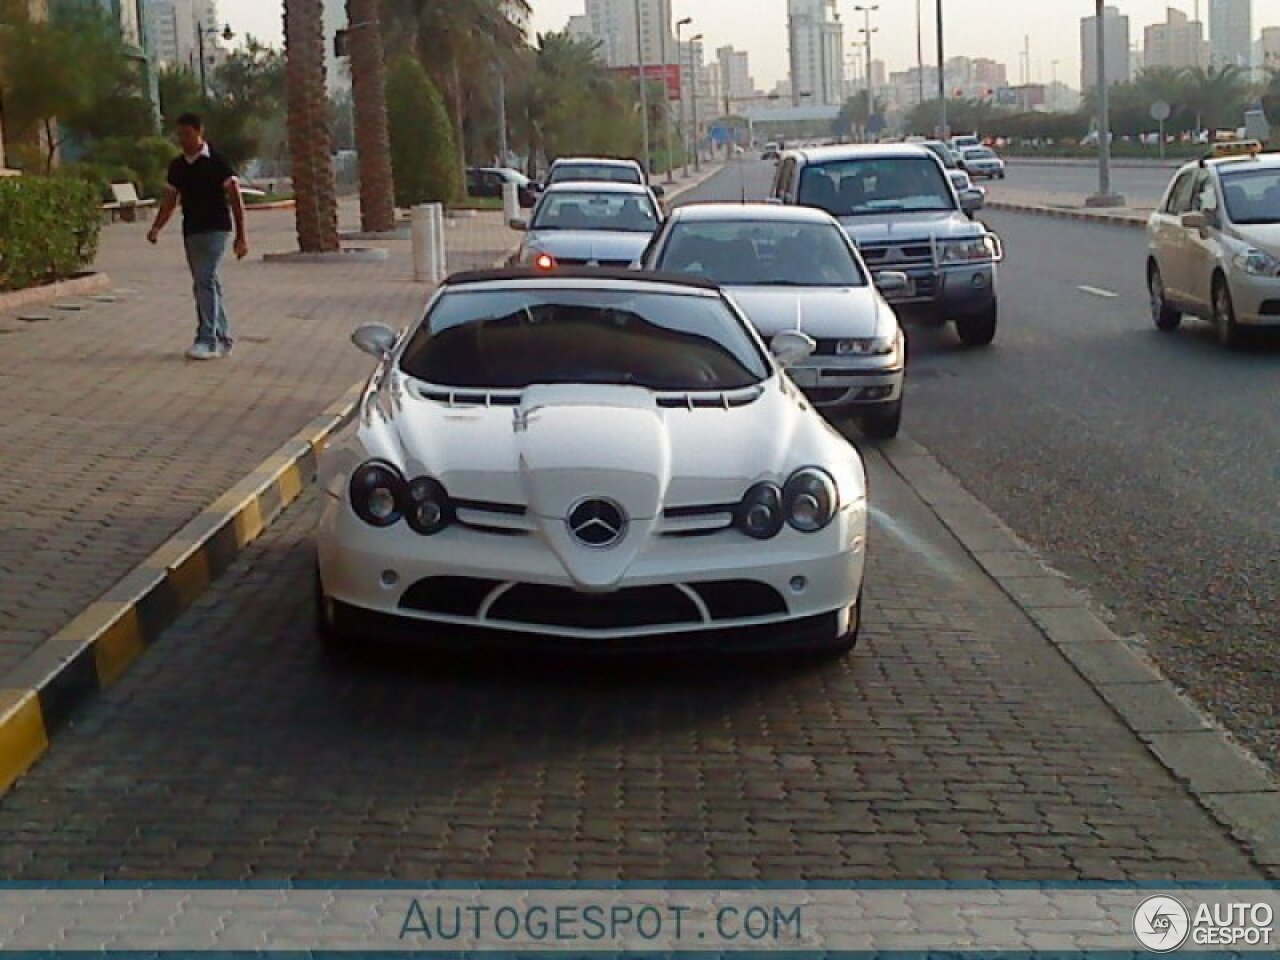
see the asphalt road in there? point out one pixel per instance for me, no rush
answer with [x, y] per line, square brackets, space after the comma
[1147, 466]
[1140, 186]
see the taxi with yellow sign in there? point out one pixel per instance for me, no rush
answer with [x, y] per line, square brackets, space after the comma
[1214, 243]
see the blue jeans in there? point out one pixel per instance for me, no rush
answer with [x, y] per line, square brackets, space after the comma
[204, 256]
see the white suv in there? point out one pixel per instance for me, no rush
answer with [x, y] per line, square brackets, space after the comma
[1214, 249]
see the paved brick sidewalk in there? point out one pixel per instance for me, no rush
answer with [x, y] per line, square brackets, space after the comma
[956, 744]
[112, 441]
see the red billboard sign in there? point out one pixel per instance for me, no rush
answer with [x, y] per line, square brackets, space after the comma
[656, 73]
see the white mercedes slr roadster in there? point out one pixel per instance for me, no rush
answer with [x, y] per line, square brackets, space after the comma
[595, 460]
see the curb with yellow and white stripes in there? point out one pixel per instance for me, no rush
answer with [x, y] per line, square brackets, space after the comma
[95, 649]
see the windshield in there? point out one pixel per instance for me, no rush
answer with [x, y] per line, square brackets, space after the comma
[1252, 197]
[871, 185]
[980, 153]
[607, 172]
[763, 253]
[511, 340]
[626, 212]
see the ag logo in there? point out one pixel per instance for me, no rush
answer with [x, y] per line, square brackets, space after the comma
[1161, 924]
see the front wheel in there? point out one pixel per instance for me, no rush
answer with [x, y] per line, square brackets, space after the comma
[1166, 318]
[883, 421]
[978, 329]
[1224, 315]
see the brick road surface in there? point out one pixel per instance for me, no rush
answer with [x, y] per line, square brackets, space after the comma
[112, 441]
[956, 743]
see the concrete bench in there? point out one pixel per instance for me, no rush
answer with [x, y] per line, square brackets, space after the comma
[127, 204]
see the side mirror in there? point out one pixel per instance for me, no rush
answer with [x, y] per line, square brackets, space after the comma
[658, 192]
[791, 347]
[375, 339]
[891, 281]
[1195, 220]
[971, 201]
[518, 224]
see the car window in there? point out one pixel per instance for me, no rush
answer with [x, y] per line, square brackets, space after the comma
[608, 173]
[513, 339]
[1252, 196]
[863, 186]
[763, 253]
[627, 212]
[1179, 201]
[979, 153]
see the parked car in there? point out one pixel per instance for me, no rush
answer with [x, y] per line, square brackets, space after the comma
[588, 224]
[983, 162]
[899, 207]
[1214, 244]
[489, 181]
[965, 141]
[972, 197]
[794, 268]
[600, 169]
[602, 459]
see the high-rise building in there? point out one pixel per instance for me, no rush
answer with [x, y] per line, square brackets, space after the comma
[1178, 43]
[1231, 32]
[1116, 36]
[612, 24]
[817, 52]
[735, 73]
[1269, 48]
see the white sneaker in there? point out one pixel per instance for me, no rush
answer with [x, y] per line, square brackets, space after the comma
[203, 351]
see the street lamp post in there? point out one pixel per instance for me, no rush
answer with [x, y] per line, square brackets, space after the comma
[644, 89]
[943, 131]
[680, 25]
[693, 86]
[201, 32]
[665, 28]
[867, 31]
[920, 48]
[1104, 197]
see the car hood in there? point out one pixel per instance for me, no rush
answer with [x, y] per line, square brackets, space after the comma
[589, 244]
[562, 445]
[824, 313]
[906, 227]
[1264, 236]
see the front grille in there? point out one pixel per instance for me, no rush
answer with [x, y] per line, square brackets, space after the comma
[448, 596]
[636, 607]
[1270, 308]
[825, 394]
[895, 255]
[740, 599]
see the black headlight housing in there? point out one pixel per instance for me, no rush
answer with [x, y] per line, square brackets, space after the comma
[429, 509]
[378, 494]
[810, 500]
[760, 514]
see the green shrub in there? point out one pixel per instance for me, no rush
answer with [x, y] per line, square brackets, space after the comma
[148, 159]
[100, 176]
[50, 227]
[424, 155]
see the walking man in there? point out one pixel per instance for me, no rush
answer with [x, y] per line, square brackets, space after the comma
[206, 186]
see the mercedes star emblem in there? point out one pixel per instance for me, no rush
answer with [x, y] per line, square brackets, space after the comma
[598, 523]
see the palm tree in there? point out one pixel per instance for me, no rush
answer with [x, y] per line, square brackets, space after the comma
[369, 92]
[458, 42]
[1217, 95]
[309, 141]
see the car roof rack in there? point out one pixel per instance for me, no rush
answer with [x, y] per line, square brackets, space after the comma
[472, 277]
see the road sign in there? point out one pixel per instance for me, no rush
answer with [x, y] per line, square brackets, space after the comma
[1160, 111]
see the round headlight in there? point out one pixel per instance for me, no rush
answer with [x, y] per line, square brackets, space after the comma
[429, 509]
[760, 514]
[810, 500]
[378, 494]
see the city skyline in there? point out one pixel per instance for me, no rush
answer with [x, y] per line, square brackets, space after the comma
[1053, 26]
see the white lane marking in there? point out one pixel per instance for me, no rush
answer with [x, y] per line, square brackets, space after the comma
[1099, 292]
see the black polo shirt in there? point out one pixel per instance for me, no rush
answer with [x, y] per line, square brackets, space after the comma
[202, 185]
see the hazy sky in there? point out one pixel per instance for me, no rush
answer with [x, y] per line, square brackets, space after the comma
[995, 28]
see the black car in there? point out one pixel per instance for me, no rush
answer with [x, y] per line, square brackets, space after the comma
[488, 182]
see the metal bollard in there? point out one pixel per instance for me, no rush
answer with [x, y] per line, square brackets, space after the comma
[423, 238]
[510, 202]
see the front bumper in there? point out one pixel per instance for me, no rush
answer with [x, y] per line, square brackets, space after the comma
[833, 381]
[679, 587]
[1256, 299]
[945, 292]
